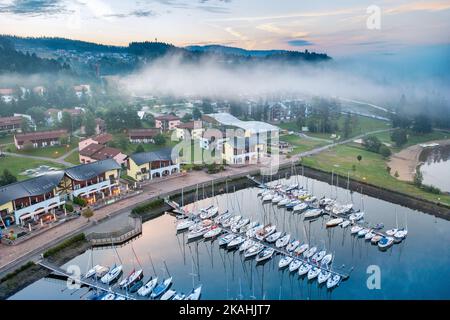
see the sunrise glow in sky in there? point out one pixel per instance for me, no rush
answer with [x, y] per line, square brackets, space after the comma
[335, 27]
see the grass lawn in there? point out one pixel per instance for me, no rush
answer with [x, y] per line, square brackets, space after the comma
[49, 152]
[131, 147]
[17, 165]
[372, 169]
[7, 139]
[73, 158]
[364, 124]
[413, 138]
[301, 144]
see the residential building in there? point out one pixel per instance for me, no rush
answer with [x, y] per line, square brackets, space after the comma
[102, 139]
[95, 152]
[39, 138]
[150, 165]
[7, 94]
[11, 124]
[143, 135]
[167, 122]
[41, 197]
[39, 90]
[193, 128]
[100, 127]
[82, 89]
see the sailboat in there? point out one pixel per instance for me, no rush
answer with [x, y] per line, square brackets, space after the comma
[333, 281]
[294, 265]
[401, 234]
[168, 294]
[161, 288]
[146, 289]
[283, 241]
[292, 246]
[324, 275]
[284, 262]
[385, 242]
[392, 231]
[112, 274]
[195, 294]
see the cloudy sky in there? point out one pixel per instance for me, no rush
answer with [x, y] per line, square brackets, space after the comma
[336, 27]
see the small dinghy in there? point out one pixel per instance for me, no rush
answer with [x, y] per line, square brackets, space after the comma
[300, 207]
[195, 294]
[284, 262]
[318, 256]
[246, 244]
[294, 265]
[273, 237]
[146, 289]
[212, 233]
[235, 242]
[313, 213]
[345, 223]
[265, 254]
[299, 250]
[333, 281]
[308, 254]
[168, 295]
[323, 276]
[334, 222]
[385, 242]
[363, 232]
[375, 239]
[185, 224]
[225, 240]
[253, 250]
[292, 246]
[161, 288]
[304, 269]
[283, 241]
[355, 229]
[314, 272]
[326, 260]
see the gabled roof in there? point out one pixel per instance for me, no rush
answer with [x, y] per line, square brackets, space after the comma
[99, 152]
[147, 157]
[91, 170]
[31, 187]
[6, 121]
[227, 119]
[40, 135]
[148, 133]
[168, 117]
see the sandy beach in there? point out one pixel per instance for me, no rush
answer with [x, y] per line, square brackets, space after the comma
[406, 161]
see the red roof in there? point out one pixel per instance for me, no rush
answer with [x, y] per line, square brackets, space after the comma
[40, 135]
[103, 138]
[99, 152]
[168, 117]
[143, 133]
[6, 91]
[7, 121]
[73, 112]
[190, 125]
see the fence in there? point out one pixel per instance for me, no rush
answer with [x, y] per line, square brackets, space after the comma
[120, 236]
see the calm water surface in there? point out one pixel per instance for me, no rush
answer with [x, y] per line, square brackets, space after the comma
[417, 268]
[436, 167]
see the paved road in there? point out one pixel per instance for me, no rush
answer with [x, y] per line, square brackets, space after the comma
[26, 156]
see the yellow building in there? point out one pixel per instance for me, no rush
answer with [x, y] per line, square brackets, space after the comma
[149, 165]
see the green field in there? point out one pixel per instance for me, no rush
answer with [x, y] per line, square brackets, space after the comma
[371, 169]
[363, 124]
[73, 158]
[413, 138]
[6, 139]
[131, 147]
[18, 165]
[301, 144]
[49, 152]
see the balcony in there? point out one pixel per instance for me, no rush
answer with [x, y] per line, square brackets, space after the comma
[93, 188]
[38, 208]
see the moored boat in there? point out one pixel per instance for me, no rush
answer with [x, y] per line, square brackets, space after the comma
[265, 254]
[314, 272]
[161, 288]
[333, 281]
[253, 250]
[273, 237]
[304, 269]
[385, 242]
[294, 265]
[284, 262]
[146, 289]
[323, 276]
[292, 246]
[334, 222]
[195, 294]
[283, 241]
[112, 274]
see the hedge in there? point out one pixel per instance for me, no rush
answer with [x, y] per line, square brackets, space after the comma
[66, 243]
[80, 201]
[147, 206]
[11, 275]
[69, 207]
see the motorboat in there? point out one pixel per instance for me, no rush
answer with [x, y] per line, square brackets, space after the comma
[356, 216]
[376, 238]
[277, 199]
[326, 260]
[213, 232]
[314, 272]
[345, 223]
[226, 239]
[334, 222]
[253, 250]
[292, 204]
[356, 229]
[284, 202]
[333, 281]
[300, 207]
[363, 232]
[246, 244]
[294, 265]
[313, 213]
[265, 254]
[94, 270]
[323, 276]
[284, 262]
[283, 241]
[195, 294]
[308, 254]
[265, 232]
[146, 289]
[378, 226]
[369, 235]
[273, 237]
[211, 212]
[300, 249]
[318, 256]
[385, 242]
[235, 242]
[112, 274]
[304, 269]
[185, 224]
[168, 294]
[292, 246]
[161, 288]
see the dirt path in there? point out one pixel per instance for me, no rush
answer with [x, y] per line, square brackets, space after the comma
[406, 161]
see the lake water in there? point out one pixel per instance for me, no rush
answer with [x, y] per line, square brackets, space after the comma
[436, 167]
[417, 268]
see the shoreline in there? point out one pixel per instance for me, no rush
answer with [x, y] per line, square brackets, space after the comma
[406, 161]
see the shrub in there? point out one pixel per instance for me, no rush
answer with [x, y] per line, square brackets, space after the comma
[384, 151]
[11, 275]
[66, 243]
[388, 169]
[431, 189]
[396, 174]
[141, 209]
[88, 213]
[69, 207]
[80, 201]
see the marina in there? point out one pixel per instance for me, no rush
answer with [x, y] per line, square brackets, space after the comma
[200, 261]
